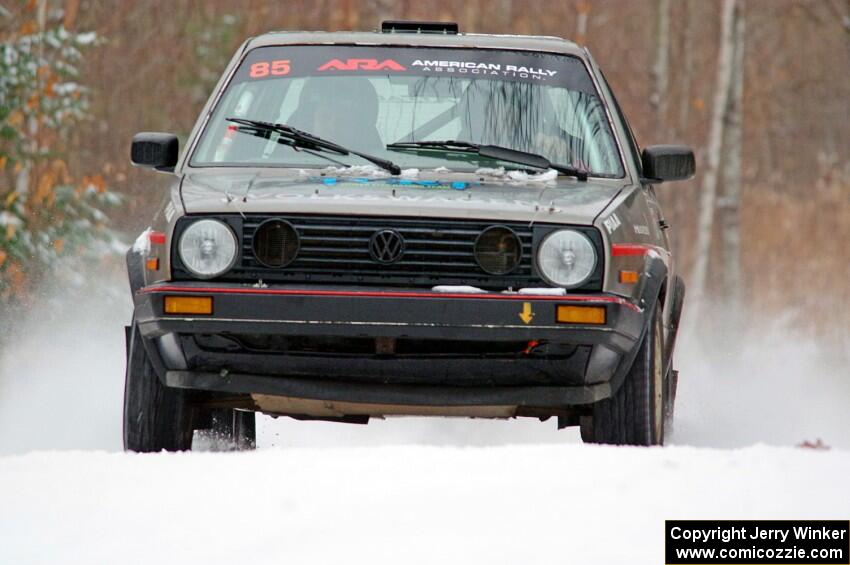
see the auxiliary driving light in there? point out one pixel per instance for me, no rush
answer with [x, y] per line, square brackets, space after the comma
[581, 315]
[188, 305]
[276, 243]
[498, 250]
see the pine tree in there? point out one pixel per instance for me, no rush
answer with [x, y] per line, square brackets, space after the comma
[49, 219]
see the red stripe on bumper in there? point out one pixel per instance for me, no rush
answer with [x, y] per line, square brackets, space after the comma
[389, 294]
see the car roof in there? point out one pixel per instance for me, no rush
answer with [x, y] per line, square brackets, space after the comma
[467, 40]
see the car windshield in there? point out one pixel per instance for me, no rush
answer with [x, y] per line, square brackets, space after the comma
[366, 98]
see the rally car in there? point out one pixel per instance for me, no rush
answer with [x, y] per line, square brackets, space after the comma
[413, 221]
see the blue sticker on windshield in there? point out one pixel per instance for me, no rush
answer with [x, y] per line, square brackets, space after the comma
[425, 183]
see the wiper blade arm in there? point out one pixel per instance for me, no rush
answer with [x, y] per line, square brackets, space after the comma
[304, 140]
[449, 145]
[493, 152]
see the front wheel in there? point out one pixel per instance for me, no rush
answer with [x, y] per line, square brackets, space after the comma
[635, 414]
[156, 417]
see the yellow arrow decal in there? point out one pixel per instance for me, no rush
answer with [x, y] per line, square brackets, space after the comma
[526, 315]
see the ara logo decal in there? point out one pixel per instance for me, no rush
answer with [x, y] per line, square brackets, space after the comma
[361, 65]
[612, 223]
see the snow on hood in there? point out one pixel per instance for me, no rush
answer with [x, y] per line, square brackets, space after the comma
[369, 190]
[550, 175]
[367, 171]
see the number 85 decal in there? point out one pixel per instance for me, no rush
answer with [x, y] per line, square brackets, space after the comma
[266, 68]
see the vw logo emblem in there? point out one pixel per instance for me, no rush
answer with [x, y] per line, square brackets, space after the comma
[386, 246]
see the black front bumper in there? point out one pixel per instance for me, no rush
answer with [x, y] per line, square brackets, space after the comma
[564, 364]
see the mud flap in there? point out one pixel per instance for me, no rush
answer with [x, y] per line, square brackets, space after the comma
[675, 315]
[672, 384]
[135, 271]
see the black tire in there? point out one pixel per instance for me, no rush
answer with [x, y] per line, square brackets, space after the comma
[156, 417]
[678, 301]
[670, 400]
[634, 415]
[235, 429]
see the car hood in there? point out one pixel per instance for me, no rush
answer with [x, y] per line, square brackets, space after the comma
[494, 196]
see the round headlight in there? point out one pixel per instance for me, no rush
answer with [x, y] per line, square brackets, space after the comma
[566, 258]
[207, 248]
[498, 250]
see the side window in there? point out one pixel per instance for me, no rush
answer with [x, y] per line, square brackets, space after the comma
[634, 149]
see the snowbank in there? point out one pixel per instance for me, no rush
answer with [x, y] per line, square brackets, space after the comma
[510, 504]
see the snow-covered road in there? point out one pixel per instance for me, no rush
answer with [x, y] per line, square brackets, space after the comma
[397, 504]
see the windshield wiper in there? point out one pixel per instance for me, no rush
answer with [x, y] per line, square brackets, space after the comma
[493, 152]
[298, 139]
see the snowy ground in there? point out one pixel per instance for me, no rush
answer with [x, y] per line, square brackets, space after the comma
[410, 490]
[399, 504]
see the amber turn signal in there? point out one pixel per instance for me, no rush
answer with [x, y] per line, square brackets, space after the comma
[629, 277]
[188, 305]
[152, 264]
[581, 314]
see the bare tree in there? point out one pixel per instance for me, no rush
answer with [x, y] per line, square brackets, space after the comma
[521, 16]
[27, 172]
[730, 203]
[686, 69]
[661, 66]
[842, 17]
[583, 11]
[72, 7]
[708, 191]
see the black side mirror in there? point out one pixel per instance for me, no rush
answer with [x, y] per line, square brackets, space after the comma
[155, 150]
[668, 162]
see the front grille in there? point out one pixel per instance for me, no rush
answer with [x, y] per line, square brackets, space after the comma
[337, 249]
